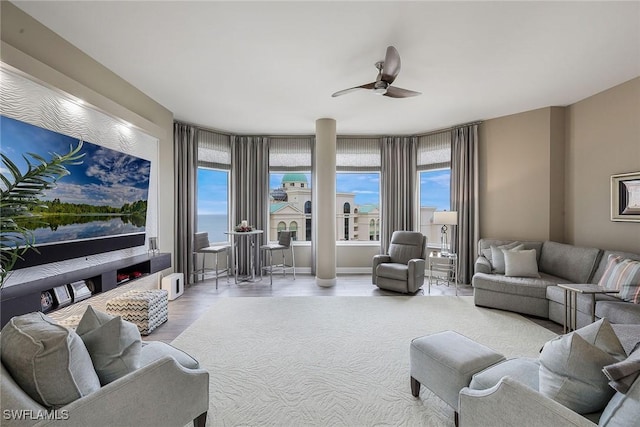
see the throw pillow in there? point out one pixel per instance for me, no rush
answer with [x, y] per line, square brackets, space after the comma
[571, 367]
[623, 408]
[602, 335]
[497, 256]
[520, 263]
[606, 279]
[627, 274]
[48, 361]
[623, 374]
[114, 344]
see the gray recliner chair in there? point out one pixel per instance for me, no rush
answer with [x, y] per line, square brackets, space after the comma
[402, 270]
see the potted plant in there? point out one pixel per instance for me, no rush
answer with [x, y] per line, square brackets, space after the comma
[19, 192]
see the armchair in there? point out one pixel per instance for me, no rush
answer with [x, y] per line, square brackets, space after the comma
[402, 269]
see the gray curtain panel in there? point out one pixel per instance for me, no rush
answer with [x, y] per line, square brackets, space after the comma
[464, 197]
[185, 168]
[398, 190]
[250, 193]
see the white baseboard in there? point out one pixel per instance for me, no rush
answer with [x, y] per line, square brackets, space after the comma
[353, 270]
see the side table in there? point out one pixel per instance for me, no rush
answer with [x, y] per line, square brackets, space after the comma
[571, 292]
[443, 263]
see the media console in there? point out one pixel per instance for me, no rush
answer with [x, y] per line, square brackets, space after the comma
[26, 297]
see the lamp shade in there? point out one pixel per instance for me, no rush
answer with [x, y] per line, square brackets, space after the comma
[445, 217]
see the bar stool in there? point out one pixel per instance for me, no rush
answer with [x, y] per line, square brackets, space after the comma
[202, 246]
[284, 243]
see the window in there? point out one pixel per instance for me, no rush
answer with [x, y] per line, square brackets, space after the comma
[290, 186]
[212, 192]
[357, 187]
[213, 203]
[435, 194]
[358, 201]
[281, 227]
[290, 203]
[434, 178]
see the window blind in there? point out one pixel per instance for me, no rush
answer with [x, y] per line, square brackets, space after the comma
[434, 151]
[290, 154]
[358, 154]
[214, 150]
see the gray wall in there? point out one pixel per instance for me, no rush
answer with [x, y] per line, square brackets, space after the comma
[603, 139]
[545, 174]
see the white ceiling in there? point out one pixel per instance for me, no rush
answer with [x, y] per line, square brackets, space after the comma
[271, 67]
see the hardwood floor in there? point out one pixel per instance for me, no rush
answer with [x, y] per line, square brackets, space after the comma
[198, 298]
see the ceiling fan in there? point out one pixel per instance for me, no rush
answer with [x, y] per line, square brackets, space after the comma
[388, 70]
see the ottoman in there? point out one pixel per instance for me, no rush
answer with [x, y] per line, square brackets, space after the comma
[445, 362]
[148, 309]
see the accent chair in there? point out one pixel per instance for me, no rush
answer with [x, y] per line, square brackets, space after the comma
[402, 269]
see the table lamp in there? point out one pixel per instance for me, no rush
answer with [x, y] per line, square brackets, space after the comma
[445, 218]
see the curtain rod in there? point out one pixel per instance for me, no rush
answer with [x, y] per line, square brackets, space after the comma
[433, 132]
[449, 129]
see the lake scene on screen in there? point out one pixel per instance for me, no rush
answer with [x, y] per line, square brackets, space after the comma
[105, 195]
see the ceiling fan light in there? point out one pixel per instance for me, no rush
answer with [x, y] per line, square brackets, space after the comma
[380, 90]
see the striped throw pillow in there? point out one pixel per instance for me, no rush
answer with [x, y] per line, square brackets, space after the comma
[623, 275]
[606, 279]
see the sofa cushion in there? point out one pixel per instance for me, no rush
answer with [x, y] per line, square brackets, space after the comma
[114, 344]
[48, 361]
[520, 263]
[528, 286]
[497, 255]
[573, 263]
[523, 369]
[571, 367]
[618, 311]
[154, 350]
[392, 270]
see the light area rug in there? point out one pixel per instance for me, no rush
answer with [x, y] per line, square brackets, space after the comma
[336, 361]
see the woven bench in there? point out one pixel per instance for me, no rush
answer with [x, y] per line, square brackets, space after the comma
[147, 309]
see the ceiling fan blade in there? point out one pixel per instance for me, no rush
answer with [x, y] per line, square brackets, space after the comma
[391, 66]
[398, 92]
[353, 89]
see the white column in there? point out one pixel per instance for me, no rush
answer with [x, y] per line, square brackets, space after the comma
[324, 203]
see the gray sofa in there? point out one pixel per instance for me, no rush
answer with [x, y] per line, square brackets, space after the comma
[167, 389]
[557, 263]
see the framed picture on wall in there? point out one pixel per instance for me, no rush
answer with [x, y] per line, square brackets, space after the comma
[625, 197]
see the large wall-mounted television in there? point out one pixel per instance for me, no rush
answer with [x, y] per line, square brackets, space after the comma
[101, 206]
